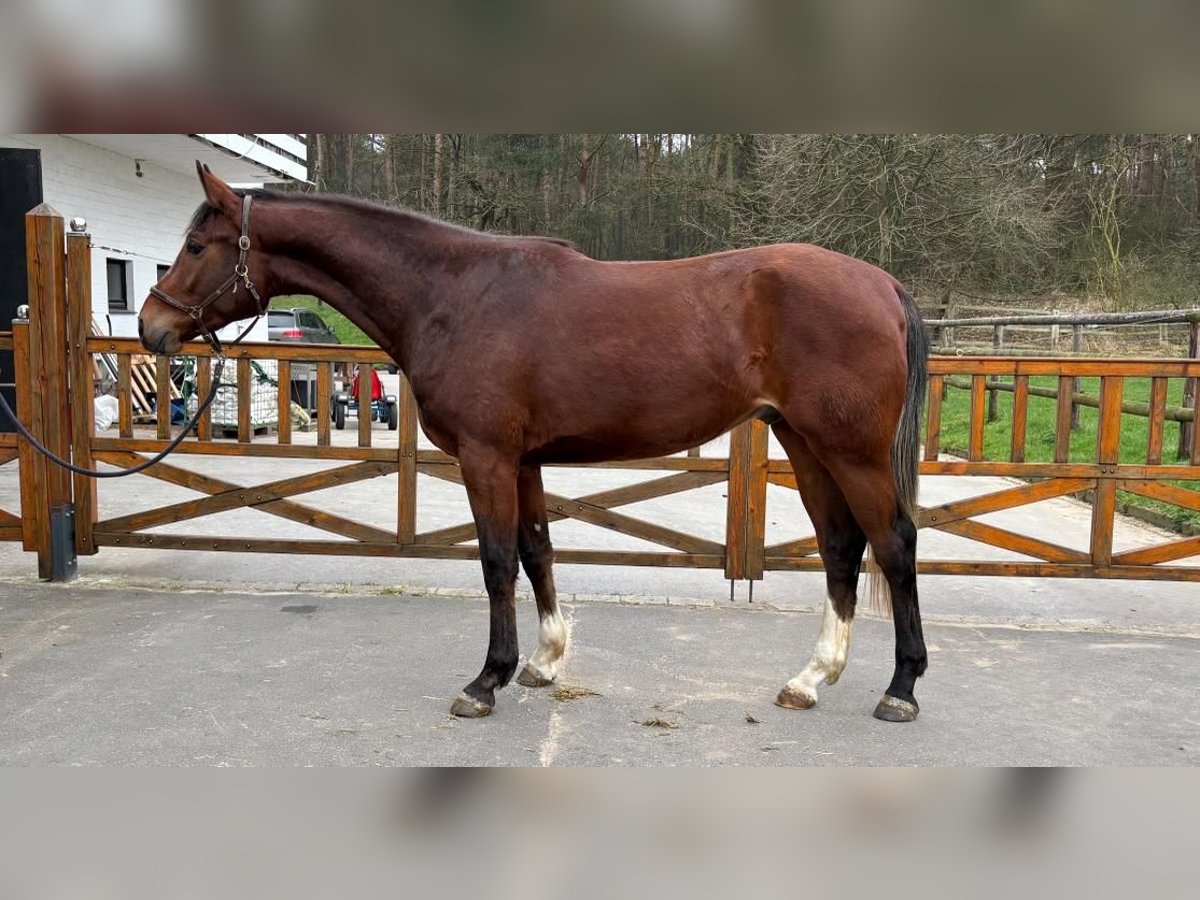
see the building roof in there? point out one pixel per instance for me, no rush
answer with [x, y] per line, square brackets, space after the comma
[237, 158]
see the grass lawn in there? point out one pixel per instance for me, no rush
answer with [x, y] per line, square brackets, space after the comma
[346, 331]
[1039, 435]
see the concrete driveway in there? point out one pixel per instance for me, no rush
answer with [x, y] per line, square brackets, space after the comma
[95, 676]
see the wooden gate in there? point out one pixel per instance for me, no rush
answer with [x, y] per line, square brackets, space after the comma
[58, 351]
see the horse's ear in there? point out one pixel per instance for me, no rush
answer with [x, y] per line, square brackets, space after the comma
[217, 192]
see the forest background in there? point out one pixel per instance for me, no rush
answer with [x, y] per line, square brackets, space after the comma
[1092, 221]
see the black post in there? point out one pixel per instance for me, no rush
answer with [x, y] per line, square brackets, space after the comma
[63, 562]
[20, 191]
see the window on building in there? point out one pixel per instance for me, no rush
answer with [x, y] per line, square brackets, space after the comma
[118, 286]
[162, 271]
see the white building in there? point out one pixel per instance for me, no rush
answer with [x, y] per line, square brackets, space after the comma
[138, 191]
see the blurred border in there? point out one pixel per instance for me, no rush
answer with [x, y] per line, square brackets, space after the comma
[927, 833]
[169, 65]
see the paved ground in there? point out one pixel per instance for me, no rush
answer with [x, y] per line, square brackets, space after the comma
[103, 677]
[193, 658]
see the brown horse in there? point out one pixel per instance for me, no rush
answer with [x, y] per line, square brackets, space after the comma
[521, 351]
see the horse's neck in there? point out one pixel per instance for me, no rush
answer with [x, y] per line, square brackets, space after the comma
[376, 270]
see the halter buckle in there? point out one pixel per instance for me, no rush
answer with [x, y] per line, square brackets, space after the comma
[244, 243]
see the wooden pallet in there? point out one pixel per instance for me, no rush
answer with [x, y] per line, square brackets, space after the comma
[141, 383]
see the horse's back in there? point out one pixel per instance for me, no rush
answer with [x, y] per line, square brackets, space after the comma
[797, 305]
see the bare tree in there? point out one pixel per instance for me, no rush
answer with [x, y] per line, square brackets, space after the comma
[589, 147]
[938, 207]
[318, 172]
[389, 169]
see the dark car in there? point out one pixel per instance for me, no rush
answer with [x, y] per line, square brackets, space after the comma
[299, 325]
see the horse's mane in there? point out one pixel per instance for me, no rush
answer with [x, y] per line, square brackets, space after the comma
[205, 210]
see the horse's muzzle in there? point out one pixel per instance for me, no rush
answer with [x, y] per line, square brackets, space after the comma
[157, 340]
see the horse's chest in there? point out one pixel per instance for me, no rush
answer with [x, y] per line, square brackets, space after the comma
[436, 424]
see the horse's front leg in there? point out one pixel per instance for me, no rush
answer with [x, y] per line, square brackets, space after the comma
[491, 483]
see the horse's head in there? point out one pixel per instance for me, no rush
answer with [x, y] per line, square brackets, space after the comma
[210, 283]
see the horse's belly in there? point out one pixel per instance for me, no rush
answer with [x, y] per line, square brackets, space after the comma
[637, 438]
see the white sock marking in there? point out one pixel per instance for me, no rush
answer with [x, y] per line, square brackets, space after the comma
[552, 643]
[548, 751]
[829, 656]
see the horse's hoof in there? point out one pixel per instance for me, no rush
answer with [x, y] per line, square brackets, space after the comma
[532, 676]
[790, 698]
[469, 708]
[893, 709]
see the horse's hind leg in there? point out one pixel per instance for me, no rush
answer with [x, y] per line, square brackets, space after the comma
[537, 557]
[870, 489]
[841, 543]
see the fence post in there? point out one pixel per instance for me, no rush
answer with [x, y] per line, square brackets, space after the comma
[1108, 441]
[746, 519]
[1191, 388]
[406, 496]
[997, 347]
[364, 398]
[1077, 388]
[82, 396]
[46, 263]
[937, 337]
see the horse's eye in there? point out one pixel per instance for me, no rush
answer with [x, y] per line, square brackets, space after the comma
[194, 248]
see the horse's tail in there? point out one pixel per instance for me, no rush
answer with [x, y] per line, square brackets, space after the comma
[906, 448]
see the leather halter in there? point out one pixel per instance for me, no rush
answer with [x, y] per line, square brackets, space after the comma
[240, 273]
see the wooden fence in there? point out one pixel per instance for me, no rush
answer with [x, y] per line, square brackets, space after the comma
[1102, 477]
[60, 321]
[747, 469]
[11, 528]
[943, 324]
